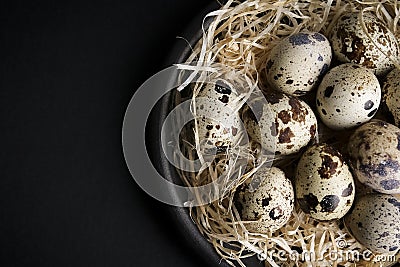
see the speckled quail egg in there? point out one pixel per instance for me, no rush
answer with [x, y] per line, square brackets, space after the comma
[298, 61]
[351, 44]
[375, 222]
[391, 94]
[219, 126]
[374, 150]
[270, 206]
[348, 95]
[286, 125]
[324, 184]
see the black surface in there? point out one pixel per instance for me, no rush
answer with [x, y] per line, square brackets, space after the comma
[67, 73]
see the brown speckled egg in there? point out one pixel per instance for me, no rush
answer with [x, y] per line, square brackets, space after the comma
[219, 126]
[296, 64]
[324, 185]
[351, 44]
[286, 125]
[391, 94]
[270, 206]
[375, 222]
[348, 95]
[374, 150]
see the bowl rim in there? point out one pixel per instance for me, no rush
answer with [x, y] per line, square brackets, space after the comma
[180, 215]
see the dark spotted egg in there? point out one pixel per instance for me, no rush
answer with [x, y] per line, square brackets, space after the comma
[269, 207]
[348, 95]
[286, 125]
[375, 222]
[324, 185]
[371, 48]
[297, 62]
[374, 150]
[391, 94]
[219, 126]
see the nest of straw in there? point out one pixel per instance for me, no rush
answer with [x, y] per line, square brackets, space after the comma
[241, 35]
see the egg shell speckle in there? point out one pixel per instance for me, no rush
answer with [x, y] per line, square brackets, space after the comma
[295, 65]
[351, 44]
[374, 149]
[287, 124]
[219, 126]
[348, 95]
[391, 94]
[271, 205]
[375, 222]
[324, 185]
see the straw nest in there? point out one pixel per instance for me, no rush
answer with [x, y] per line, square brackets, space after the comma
[240, 35]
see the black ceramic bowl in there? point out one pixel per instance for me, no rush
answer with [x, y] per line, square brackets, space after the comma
[189, 231]
[180, 216]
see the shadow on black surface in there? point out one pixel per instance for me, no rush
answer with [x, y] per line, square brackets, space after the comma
[67, 71]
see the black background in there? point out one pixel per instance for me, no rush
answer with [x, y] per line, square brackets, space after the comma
[67, 73]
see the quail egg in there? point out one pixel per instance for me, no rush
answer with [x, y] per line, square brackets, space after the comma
[374, 150]
[286, 124]
[351, 43]
[391, 94]
[348, 95]
[269, 207]
[295, 64]
[324, 185]
[218, 125]
[375, 222]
